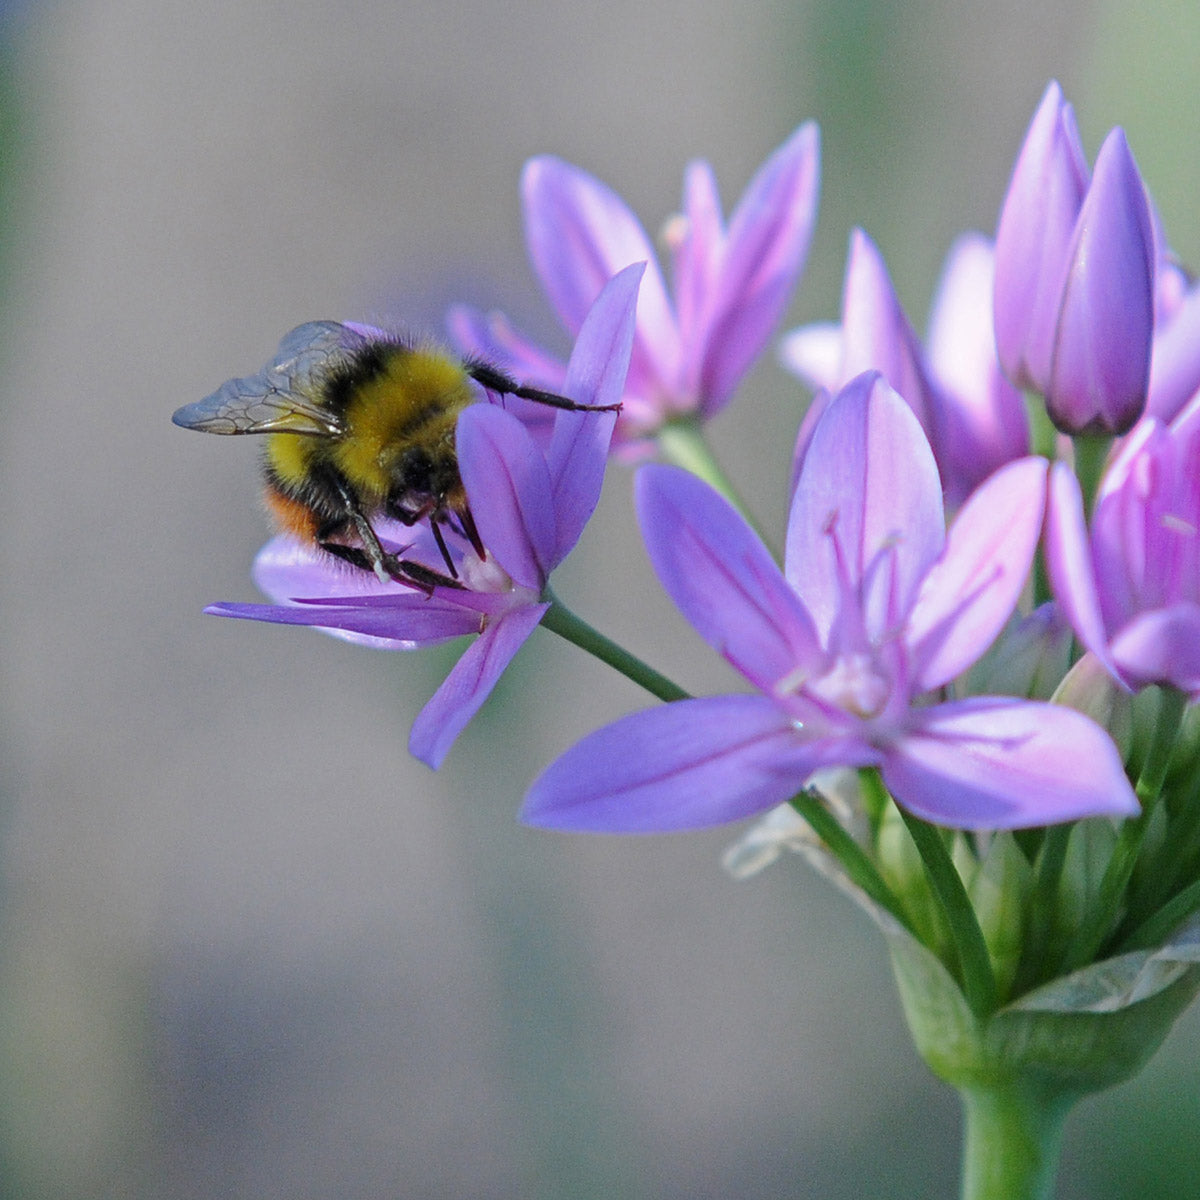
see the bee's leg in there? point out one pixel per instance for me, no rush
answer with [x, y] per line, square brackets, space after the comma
[348, 554]
[441, 543]
[372, 555]
[424, 578]
[471, 531]
[371, 558]
[498, 381]
[431, 510]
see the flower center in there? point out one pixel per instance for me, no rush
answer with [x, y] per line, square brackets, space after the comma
[855, 683]
[484, 574]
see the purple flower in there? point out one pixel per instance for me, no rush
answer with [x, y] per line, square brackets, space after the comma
[530, 505]
[1175, 356]
[876, 607]
[973, 417]
[1075, 276]
[1131, 589]
[732, 282]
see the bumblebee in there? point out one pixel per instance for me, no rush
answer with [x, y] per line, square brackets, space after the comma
[360, 425]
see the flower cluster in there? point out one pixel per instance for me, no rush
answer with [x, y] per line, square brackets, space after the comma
[926, 655]
[910, 707]
[875, 608]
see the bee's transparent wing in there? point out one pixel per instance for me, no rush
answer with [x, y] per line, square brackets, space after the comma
[311, 351]
[278, 399]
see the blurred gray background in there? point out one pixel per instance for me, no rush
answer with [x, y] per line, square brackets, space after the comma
[250, 948]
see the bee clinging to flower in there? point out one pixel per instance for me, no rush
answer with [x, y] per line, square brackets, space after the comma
[360, 425]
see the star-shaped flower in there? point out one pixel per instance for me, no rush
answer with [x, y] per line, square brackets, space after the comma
[530, 505]
[876, 611]
[732, 280]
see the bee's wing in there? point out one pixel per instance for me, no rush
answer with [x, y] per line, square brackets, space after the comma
[313, 350]
[277, 399]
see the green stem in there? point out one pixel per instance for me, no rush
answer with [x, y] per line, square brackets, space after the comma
[1042, 434]
[1035, 952]
[853, 858]
[1091, 450]
[1171, 706]
[682, 442]
[561, 620]
[1012, 1140]
[975, 965]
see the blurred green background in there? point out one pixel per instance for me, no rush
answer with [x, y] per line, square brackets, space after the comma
[250, 948]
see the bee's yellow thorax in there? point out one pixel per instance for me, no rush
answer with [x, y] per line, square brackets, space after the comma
[414, 401]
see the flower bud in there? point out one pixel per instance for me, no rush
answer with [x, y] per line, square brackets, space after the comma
[1101, 364]
[1036, 225]
[1075, 269]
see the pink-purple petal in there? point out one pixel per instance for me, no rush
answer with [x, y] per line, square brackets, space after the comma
[469, 684]
[580, 233]
[579, 452]
[1162, 647]
[687, 765]
[508, 485]
[404, 624]
[870, 482]
[1101, 363]
[767, 243]
[983, 423]
[287, 569]
[971, 591]
[696, 239]
[492, 338]
[598, 364]
[596, 375]
[876, 334]
[1137, 532]
[1175, 360]
[1069, 562]
[1036, 225]
[992, 763]
[721, 576]
[814, 354]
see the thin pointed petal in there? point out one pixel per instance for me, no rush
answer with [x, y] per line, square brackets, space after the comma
[580, 233]
[869, 479]
[696, 238]
[403, 624]
[1137, 530]
[686, 765]
[469, 684]
[491, 337]
[1069, 563]
[596, 372]
[876, 333]
[721, 576]
[814, 354]
[1101, 363]
[971, 591]
[287, 569]
[1175, 360]
[596, 375]
[991, 763]
[764, 254]
[1036, 225]
[508, 485]
[983, 423]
